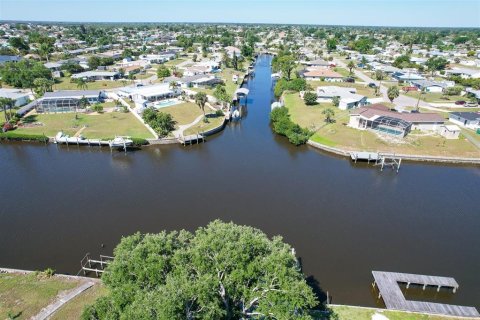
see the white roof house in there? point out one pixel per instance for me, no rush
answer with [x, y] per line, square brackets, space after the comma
[348, 97]
[96, 75]
[149, 93]
[20, 97]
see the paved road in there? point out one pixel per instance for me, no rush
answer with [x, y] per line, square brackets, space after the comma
[400, 103]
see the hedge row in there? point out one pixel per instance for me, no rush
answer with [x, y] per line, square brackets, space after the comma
[14, 136]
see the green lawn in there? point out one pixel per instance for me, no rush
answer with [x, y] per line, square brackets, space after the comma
[310, 117]
[172, 63]
[357, 313]
[184, 113]
[226, 74]
[25, 295]
[338, 134]
[213, 122]
[436, 97]
[102, 126]
[67, 84]
[74, 308]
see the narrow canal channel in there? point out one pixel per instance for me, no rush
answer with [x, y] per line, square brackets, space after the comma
[344, 220]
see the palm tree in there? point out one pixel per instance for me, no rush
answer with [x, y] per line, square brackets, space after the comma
[6, 103]
[329, 114]
[81, 84]
[173, 85]
[393, 93]
[351, 66]
[201, 99]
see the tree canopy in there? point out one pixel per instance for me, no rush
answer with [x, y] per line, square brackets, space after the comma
[221, 271]
[22, 74]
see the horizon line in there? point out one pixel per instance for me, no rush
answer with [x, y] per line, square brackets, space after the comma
[231, 23]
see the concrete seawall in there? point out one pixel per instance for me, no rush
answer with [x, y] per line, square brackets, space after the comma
[408, 157]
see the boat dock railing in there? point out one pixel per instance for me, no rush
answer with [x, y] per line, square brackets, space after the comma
[93, 265]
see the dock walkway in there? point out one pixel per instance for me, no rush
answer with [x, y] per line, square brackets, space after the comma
[393, 297]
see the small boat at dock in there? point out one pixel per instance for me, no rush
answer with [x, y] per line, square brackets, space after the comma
[117, 142]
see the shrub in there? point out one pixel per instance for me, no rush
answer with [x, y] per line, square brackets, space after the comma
[139, 141]
[13, 136]
[298, 84]
[97, 107]
[310, 98]
[453, 91]
[282, 125]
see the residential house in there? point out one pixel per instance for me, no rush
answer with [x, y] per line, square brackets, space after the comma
[380, 118]
[323, 74]
[464, 73]
[67, 100]
[349, 99]
[21, 97]
[97, 75]
[465, 119]
[4, 59]
[432, 86]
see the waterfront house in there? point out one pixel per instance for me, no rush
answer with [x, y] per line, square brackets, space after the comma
[380, 118]
[146, 95]
[67, 100]
[349, 99]
[321, 74]
[465, 119]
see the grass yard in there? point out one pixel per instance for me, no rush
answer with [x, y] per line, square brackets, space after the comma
[172, 63]
[23, 296]
[361, 88]
[183, 113]
[434, 97]
[213, 122]
[226, 74]
[101, 126]
[349, 312]
[310, 117]
[66, 84]
[339, 135]
[74, 308]
[206, 91]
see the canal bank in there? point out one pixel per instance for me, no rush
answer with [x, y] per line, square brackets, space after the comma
[344, 220]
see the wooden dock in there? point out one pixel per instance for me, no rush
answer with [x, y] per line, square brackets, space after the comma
[389, 291]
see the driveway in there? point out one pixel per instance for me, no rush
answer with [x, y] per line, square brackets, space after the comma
[400, 103]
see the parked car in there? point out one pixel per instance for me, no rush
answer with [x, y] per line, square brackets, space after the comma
[460, 102]
[350, 79]
[372, 85]
[472, 104]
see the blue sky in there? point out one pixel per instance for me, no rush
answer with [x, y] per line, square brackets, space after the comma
[422, 13]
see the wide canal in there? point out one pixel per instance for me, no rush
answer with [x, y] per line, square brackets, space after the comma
[343, 219]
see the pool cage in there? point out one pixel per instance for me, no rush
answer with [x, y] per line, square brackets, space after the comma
[392, 126]
[59, 105]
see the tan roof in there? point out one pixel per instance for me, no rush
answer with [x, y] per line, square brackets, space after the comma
[381, 110]
[322, 72]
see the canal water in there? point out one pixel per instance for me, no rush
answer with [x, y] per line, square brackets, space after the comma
[343, 219]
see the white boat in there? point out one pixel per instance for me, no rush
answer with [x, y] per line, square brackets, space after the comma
[276, 76]
[236, 114]
[118, 142]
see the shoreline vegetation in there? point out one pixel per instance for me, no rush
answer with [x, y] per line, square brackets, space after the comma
[25, 293]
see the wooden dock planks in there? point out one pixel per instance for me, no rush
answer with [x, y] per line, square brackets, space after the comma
[393, 297]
